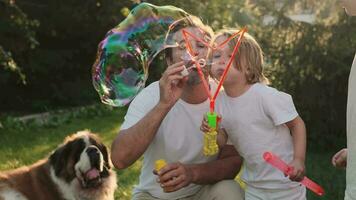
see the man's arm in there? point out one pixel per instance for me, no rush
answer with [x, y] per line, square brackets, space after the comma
[177, 175]
[227, 166]
[131, 143]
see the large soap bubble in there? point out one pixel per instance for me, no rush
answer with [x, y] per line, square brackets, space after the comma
[123, 57]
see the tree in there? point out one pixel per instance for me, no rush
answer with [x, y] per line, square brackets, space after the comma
[17, 34]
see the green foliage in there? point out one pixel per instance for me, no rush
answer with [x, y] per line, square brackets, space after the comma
[312, 63]
[58, 71]
[16, 35]
[55, 119]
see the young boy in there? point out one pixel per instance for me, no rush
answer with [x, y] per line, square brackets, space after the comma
[258, 118]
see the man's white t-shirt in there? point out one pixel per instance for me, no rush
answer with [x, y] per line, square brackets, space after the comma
[254, 123]
[351, 136]
[178, 139]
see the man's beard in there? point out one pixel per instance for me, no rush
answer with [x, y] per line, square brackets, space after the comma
[194, 78]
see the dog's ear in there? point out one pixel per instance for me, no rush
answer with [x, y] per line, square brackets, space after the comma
[103, 149]
[65, 157]
[107, 161]
[105, 153]
[57, 159]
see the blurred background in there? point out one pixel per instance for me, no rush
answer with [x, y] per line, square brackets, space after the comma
[47, 48]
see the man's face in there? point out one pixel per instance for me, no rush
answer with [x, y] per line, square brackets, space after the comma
[350, 6]
[180, 53]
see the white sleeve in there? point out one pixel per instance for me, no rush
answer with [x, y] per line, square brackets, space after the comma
[141, 105]
[278, 106]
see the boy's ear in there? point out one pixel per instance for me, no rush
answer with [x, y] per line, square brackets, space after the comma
[169, 62]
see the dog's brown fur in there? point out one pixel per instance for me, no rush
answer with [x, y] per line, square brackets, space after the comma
[33, 181]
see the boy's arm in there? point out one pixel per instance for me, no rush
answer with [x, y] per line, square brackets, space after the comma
[298, 131]
[222, 138]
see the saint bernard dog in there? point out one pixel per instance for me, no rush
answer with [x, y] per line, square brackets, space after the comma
[79, 169]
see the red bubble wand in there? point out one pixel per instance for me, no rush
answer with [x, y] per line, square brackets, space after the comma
[276, 162]
[210, 146]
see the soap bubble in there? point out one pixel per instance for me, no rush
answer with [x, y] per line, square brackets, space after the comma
[124, 56]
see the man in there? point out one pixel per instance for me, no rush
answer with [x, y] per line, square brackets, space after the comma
[347, 157]
[163, 122]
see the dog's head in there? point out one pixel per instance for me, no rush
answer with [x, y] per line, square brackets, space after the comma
[82, 160]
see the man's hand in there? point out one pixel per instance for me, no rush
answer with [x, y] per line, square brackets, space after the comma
[298, 170]
[174, 176]
[171, 84]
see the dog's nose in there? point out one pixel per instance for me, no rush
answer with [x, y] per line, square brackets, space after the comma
[94, 156]
[92, 151]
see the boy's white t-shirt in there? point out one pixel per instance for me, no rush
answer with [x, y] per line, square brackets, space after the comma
[351, 135]
[178, 139]
[254, 123]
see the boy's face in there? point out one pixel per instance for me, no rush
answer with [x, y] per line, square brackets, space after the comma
[180, 53]
[220, 59]
[350, 6]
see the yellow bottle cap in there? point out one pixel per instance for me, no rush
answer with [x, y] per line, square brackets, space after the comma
[159, 164]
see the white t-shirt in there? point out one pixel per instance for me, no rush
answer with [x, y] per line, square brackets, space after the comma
[254, 123]
[178, 139]
[351, 136]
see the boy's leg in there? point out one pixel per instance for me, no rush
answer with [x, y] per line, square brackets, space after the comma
[226, 189]
[254, 194]
[297, 193]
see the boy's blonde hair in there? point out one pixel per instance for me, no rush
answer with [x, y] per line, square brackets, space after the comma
[249, 52]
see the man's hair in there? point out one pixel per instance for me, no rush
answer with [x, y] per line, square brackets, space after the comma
[250, 53]
[189, 21]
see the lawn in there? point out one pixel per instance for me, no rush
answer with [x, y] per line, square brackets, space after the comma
[24, 144]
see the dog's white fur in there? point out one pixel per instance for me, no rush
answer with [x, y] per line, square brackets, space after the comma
[72, 191]
[10, 194]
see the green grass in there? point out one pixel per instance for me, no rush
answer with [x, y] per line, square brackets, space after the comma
[23, 145]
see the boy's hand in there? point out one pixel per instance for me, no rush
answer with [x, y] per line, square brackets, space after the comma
[205, 126]
[339, 160]
[221, 137]
[298, 171]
